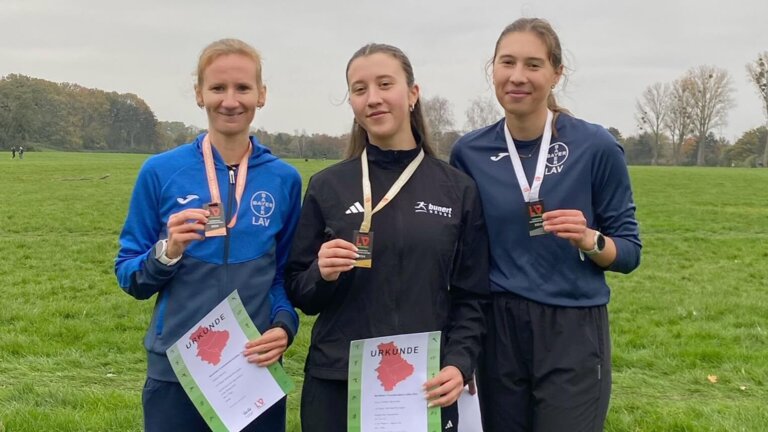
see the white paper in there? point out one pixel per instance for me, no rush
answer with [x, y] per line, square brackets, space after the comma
[212, 352]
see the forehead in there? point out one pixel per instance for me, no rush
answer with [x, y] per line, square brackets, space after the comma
[374, 65]
[523, 45]
[232, 66]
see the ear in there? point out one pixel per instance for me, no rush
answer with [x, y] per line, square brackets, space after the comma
[413, 95]
[199, 97]
[558, 75]
[262, 96]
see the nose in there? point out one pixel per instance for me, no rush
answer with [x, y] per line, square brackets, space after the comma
[374, 97]
[517, 74]
[230, 100]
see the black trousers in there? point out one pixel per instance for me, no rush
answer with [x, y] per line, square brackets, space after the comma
[168, 409]
[544, 368]
[324, 407]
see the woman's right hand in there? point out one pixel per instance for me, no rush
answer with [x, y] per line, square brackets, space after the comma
[184, 227]
[336, 256]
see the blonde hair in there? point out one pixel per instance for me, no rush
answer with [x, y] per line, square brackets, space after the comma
[225, 47]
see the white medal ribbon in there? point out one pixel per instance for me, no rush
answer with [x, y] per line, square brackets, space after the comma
[367, 204]
[531, 192]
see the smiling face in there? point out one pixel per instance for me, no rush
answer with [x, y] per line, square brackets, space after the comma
[230, 91]
[523, 75]
[381, 99]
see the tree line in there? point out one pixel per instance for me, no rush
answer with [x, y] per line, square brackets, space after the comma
[676, 121]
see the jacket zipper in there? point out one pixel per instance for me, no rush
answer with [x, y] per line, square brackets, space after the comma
[229, 216]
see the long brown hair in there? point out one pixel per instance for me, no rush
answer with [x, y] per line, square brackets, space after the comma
[544, 31]
[359, 136]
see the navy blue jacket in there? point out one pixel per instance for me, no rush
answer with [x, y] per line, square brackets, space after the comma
[585, 170]
[250, 258]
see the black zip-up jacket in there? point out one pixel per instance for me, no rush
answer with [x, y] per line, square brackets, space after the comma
[430, 261]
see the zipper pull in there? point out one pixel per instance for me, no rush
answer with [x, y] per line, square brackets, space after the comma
[231, 175]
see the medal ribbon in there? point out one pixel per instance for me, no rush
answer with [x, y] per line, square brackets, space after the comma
[407, 173]
[213, 184]
[531, 192]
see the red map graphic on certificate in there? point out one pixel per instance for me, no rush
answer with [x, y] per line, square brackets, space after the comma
[393, 369]
[210, 344]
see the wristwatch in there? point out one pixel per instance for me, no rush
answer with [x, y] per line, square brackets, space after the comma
[599, 245]
[160, 248]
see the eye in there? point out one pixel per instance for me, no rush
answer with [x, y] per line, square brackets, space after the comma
[217, 88]
[535, 66]
[358, 90]
[386, 84]
[243, 88]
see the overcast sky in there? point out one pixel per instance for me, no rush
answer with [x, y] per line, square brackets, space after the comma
[613, 50]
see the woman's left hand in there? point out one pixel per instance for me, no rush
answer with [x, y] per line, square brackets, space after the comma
[445, 388]
[268, 348]
[570, 225]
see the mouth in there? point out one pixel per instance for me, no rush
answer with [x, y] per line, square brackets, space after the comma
[231, 115]
[376, 114]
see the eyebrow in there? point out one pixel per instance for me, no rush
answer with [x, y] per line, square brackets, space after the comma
[376, 78]
[504, 56]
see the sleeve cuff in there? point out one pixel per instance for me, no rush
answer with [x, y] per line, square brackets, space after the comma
[286, 321]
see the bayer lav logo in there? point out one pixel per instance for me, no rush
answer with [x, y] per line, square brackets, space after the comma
[558, 153]
[263, 204]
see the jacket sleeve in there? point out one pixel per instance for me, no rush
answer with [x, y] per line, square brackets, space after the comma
[283, 314]
[614, 206]
[138, 272]
[469, 289]
[306, 288]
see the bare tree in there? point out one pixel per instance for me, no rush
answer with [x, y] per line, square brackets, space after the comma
[439, 116]
[652, 109]
[712, 98]
[482, 111]
[679, 118]
[758, 74]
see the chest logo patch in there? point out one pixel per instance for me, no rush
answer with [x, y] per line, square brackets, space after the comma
[424, 207]
[558, 154]
[263, 205]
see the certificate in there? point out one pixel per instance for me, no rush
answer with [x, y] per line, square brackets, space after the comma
[386, 376]
[208, 360]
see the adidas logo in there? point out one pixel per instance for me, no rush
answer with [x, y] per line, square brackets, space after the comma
[355, 208]
[449, 425]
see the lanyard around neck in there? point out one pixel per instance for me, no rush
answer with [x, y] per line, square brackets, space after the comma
[530, 192]
[399, 183]
[213, 184]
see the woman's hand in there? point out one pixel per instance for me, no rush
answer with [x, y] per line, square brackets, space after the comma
[445, 388]
[334, 257]
[268, 348]
[184, 227]
[570, 225]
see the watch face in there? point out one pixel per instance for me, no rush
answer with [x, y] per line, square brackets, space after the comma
[600, 242]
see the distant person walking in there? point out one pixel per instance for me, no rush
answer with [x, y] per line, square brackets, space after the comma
[21, 152]
[13, 152]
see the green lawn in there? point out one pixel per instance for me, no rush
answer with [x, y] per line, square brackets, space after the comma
[71, 356]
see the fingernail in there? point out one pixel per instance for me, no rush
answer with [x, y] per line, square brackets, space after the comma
[430, 405]
[357, 255]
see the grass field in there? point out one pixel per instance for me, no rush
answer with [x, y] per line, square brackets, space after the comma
[71, 357]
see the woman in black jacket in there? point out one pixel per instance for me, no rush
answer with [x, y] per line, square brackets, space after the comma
[428, 267]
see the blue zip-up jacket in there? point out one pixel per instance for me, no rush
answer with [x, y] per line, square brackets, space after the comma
[585, 170]
[250, 258]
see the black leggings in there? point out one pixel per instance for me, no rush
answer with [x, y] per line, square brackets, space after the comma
[544, 368]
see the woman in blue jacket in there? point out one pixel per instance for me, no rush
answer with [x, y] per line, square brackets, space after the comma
[169, 248]
[558, 204]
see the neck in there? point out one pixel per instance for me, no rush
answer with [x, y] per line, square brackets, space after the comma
[230, 147]
[400, 141]
[527, 127]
